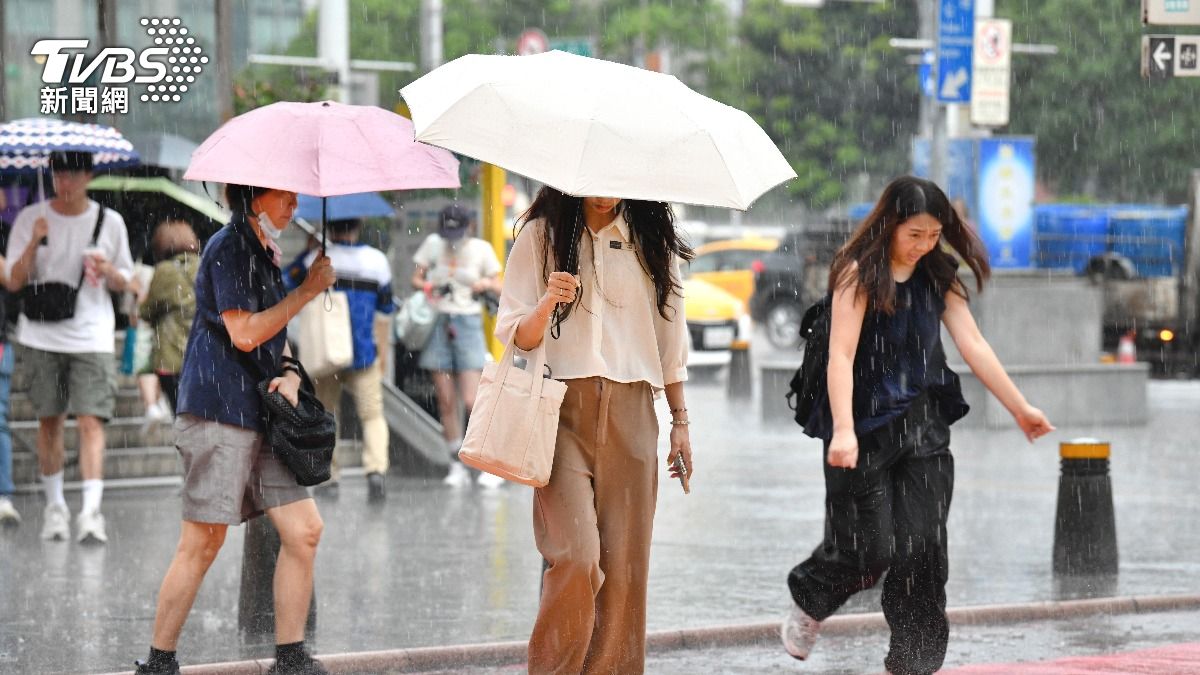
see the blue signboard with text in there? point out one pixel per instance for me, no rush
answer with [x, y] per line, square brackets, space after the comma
[956, 35]
[1005, 196]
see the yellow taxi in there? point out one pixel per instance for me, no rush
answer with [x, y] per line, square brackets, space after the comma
[732, 263]
[717, 323]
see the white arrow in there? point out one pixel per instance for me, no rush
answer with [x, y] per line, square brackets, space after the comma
[1161, 56]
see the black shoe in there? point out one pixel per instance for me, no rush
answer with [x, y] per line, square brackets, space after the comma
[327, 490]
[375, 489]
[310, 666]
[144, 668]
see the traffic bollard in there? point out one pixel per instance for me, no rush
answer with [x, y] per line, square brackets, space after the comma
[1085, 530]
[738, 385]
[256, 600]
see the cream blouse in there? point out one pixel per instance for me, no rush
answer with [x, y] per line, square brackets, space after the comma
[615, 331]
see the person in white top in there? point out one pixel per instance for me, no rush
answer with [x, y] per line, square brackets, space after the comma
[601, 275]
[455, 270]
[76, 242]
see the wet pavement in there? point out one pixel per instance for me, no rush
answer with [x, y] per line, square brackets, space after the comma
[437, 566]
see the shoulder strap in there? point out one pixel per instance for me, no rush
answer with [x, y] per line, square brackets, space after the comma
[95, 237]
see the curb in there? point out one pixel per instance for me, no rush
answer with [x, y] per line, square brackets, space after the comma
[497, 654]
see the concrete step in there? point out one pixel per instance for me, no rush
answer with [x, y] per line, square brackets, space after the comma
[143, 462]
[120, 432]
[129, 404]
[140, 462]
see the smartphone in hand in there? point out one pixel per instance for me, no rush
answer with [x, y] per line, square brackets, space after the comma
[680, 469]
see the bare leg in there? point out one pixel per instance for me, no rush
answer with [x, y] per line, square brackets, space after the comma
[443, 384]
[148, 390]
[468, 384]
[50, 444]
[91, 447]
[299, 525]
[199, 544]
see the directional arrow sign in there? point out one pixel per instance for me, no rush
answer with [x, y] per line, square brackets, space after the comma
[956, 35]
[1171, 12]
[1166, 56]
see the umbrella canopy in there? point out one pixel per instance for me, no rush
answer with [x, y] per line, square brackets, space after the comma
[322, 149]
[24, 144]
[168, 151]
[594, 128]
[342, 207]
[147, 202]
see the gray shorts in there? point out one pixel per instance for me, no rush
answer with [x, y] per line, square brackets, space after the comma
[78, 384]
[228, 475]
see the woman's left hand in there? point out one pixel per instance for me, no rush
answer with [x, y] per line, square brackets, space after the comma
[288, 386]
[1033, 422]
[681, 442]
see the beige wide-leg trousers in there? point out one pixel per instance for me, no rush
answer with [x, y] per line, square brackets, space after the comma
[592, 524]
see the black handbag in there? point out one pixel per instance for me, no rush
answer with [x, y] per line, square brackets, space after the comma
[54, 300]
[304, 436]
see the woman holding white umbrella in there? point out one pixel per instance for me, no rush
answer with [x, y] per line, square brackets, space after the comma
[602, 275]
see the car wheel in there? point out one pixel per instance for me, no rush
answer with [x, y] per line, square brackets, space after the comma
[783, 324]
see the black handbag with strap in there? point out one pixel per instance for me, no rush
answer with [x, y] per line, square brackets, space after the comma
[53, 300]
[303, 436]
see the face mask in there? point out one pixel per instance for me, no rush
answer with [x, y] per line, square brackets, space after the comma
[268, 228]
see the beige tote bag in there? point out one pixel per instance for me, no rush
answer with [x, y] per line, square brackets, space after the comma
[325, 342]
[514, 423]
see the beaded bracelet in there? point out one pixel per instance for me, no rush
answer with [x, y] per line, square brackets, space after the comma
[680, 423]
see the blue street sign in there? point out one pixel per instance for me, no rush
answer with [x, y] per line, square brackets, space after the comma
[925, 73]
[956, 35]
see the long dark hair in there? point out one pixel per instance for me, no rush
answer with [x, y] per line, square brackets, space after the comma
[651, 226]
[870, 245]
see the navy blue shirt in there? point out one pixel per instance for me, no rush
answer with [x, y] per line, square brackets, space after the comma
[218, 382]
[899, 357]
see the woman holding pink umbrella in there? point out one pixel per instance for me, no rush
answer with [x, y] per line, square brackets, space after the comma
[324, 149]
[230, 474]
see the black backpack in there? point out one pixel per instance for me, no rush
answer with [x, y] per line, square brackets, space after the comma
[808, 384]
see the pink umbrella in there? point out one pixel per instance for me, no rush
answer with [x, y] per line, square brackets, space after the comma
[322, 149]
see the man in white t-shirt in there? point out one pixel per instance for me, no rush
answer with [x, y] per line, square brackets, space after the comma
[71, 240]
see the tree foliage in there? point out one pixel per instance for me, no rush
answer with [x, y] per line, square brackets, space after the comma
[827, 88]
[1102, 131]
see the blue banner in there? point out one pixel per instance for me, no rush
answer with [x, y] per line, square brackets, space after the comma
[956, 37]
[1005, 197]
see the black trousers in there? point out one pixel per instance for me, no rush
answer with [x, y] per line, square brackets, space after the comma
[889, 515]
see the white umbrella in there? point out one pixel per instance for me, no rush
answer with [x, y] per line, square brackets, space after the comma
[596, 128]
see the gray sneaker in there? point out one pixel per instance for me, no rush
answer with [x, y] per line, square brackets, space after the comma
[90, 526]
[799, 633]
[56, 523]
[9, 516]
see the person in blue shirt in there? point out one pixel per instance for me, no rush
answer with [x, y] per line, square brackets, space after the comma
[229, 474]
[886, 419]
[364, 274]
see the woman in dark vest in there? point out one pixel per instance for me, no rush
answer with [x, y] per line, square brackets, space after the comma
[886, 421]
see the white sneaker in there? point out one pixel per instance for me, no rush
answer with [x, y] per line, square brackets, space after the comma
[155, 415]
[9, 517]
[458, 476]
[56, 523]
[90, 526]
[799, 633]
[489, 480]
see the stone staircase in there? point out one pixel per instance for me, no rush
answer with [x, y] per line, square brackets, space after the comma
[134, 451]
